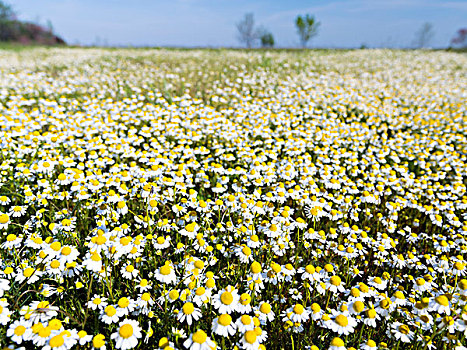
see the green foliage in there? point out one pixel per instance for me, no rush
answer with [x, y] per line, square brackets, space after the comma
[16, 31]
[307, 28]
[267, 39]
[6, 12]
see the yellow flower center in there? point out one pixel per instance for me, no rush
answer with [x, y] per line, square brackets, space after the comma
[95, 257]
[123, 302]
[190, 227]
[28, 272]
[227, 298]
[255, 267]
[66, 251]
[101, 240]
[265, 308]
[245, 299]
[246, 320]
[56, 246]
[276, 267]
[125, 241]
[335, 280]
[56, 341]
[246, 251]
[298, 309]
[225, 320]
[399, 295]
[110, 311]
[165, 270]
[55, 324]
[342, 321]
[55, 264]
[126, 331]
[463, 284]
[338, 342]
[20, 330]
[210, 283]
[404, 329]
[315, 308]
[385, 303]
[98, 341]
[371, 313]
[442, 300]
[188, 308]
[4, 218]
[358, 306]
[200, 337]
[250, 337]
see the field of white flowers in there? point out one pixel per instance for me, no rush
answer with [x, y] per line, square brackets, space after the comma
[190, 199]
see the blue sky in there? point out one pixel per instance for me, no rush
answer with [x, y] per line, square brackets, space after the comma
[344, 23]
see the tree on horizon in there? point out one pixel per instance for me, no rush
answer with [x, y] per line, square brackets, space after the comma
[307, 28]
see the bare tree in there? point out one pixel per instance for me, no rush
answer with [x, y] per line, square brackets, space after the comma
[247, 34]
[424, 35]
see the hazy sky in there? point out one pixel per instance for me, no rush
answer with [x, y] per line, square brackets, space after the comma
[344, 23]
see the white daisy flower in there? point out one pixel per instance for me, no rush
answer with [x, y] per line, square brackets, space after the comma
[189, 313]
[127, 334]
[226, 300]
[199, 341]
[19, 332]
[224, 326]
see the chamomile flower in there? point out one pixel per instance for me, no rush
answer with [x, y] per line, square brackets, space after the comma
[4, 220]
[343, 324]
[334, 284]
[297, 313]
[12, 241]
[440, 304]
[127, 334]
[189, 313]
[199, 341]
[265, 312]
[224, 326]
[337, 344]
[93, 262]
[18, 332]
[401, 332]
[84, 337]
[249, 340]
[97, 302]
[129, 271]
[226, 300]
[369, 345]
[109, 315]
[166, 274]
[125, 306]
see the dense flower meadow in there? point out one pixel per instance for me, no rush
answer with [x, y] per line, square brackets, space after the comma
[159, 199]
